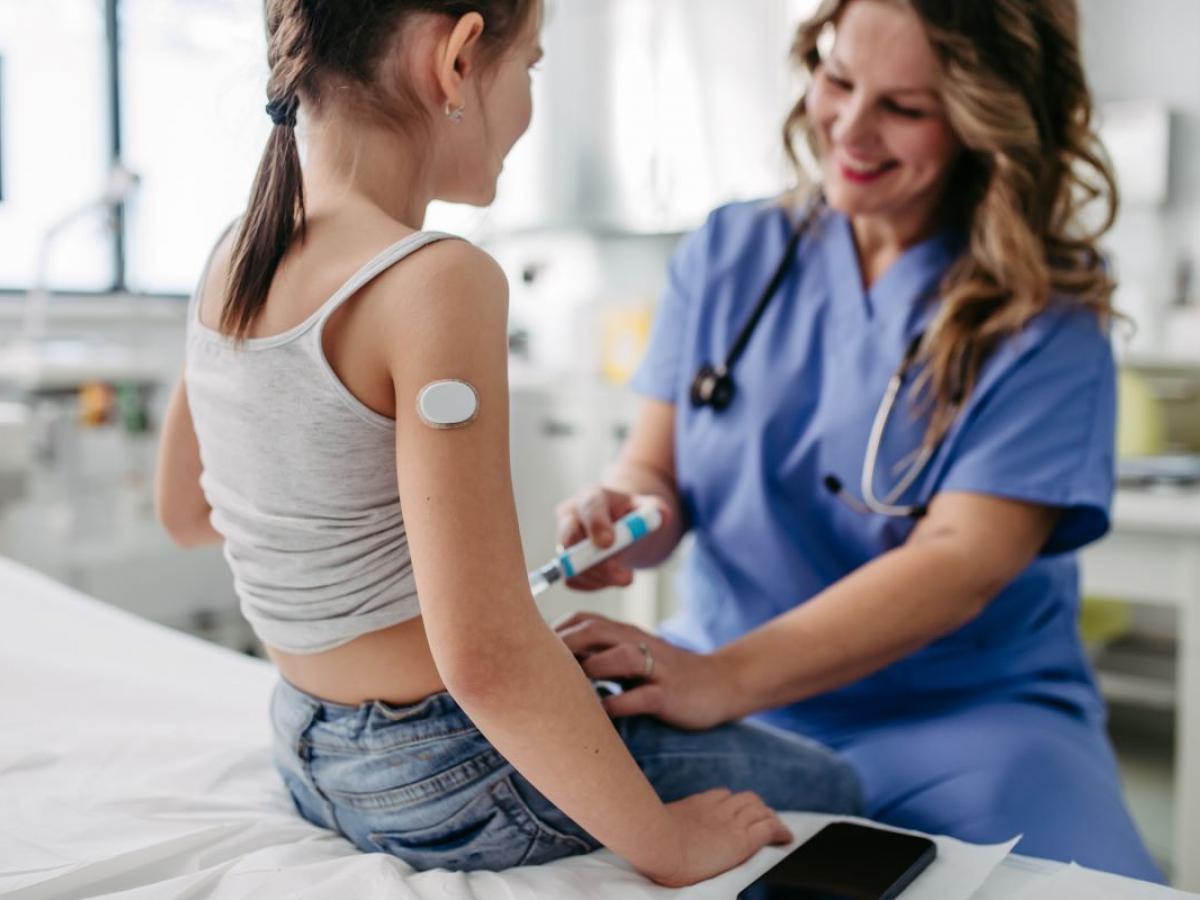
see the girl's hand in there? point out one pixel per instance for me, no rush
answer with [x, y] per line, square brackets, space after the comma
[590, 514]
[688, 690]
[716, 831]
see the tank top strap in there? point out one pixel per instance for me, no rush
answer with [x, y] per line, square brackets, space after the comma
[373, 268]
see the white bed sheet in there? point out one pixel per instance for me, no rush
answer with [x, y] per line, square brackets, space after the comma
[134, 762]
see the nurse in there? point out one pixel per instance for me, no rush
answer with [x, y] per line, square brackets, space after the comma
[884, 409]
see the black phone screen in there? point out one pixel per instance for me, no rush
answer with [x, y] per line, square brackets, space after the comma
[846, 861]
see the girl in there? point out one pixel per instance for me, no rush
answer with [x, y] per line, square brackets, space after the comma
[425, 709]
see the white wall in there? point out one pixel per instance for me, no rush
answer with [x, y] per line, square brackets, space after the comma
[1150, 49]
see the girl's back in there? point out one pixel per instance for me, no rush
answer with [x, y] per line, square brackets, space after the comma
[298, 443]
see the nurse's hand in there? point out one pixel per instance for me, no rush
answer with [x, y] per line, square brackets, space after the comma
[688, 690]
[590, 514]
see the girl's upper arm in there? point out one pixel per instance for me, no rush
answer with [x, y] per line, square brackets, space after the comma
[449, 321]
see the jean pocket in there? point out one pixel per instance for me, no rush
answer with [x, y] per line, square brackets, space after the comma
[383, 783]
[493, 830]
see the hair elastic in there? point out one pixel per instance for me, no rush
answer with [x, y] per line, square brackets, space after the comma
[283, 111]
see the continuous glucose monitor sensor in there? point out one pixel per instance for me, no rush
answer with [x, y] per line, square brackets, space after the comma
[447, 404]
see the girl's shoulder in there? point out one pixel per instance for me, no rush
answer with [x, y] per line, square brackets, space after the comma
[444, 296]
[447, 275]
[407, 267]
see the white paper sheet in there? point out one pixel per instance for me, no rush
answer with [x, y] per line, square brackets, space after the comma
[134, 763]
[956, 874]
[1077, 883]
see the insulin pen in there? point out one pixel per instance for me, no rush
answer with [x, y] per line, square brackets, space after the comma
[585, 554]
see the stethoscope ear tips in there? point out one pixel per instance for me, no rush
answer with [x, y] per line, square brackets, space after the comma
[834, 485]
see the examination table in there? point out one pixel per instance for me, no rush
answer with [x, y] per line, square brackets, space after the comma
[135, 763]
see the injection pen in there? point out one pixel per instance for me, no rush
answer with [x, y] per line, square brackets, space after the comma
[585, 554]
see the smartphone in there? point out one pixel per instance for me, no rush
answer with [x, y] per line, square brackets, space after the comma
[846, 861]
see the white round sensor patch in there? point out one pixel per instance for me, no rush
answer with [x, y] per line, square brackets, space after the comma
[447, 404]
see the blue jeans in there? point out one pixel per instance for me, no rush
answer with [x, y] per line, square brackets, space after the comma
[422, 783]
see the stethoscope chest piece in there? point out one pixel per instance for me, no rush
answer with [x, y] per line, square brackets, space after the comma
[712, 386]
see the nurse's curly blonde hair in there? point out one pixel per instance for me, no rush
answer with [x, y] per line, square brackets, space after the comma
[1014, 90]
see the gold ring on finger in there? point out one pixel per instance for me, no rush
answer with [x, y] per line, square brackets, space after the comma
[648, 659]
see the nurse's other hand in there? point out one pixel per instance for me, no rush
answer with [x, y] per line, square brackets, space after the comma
[688, 690]
[590, 514]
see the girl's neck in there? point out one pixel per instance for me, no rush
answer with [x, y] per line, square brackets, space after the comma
[371, 163]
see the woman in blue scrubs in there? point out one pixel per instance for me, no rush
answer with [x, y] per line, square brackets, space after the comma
[921, 619]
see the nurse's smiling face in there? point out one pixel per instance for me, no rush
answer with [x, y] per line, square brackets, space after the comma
[886, 145]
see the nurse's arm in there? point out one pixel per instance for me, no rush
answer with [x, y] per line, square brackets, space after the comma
[646, 467]
[957, 559]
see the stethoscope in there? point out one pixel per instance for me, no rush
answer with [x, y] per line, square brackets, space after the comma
[714, 386]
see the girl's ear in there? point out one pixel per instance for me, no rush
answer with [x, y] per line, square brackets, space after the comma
[457, 57]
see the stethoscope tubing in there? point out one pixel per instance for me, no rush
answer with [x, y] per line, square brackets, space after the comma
[713, 386]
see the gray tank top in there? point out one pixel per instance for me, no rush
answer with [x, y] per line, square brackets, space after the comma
[301, 478]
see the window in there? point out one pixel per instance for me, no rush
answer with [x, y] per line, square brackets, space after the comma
[190, 83]
[699, 90]
[193, 80]
[56, 135]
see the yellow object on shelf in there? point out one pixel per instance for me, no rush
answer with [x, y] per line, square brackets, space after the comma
[1103, 620]
[625, 331]
[1141, 424]
[96, 401]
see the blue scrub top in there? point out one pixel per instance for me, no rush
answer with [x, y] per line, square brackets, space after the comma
[1039, 427]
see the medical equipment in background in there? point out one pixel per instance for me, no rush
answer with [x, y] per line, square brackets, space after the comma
[1182, 319]
[581, 302]
[555, 280]
[15, 452]
[35, 363]
[67, 386]
[84, 501]
[1137, 136]
[1141, 424]
[582, 556]
[122, 182]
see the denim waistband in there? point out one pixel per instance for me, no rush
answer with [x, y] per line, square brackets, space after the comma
[436, 716]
